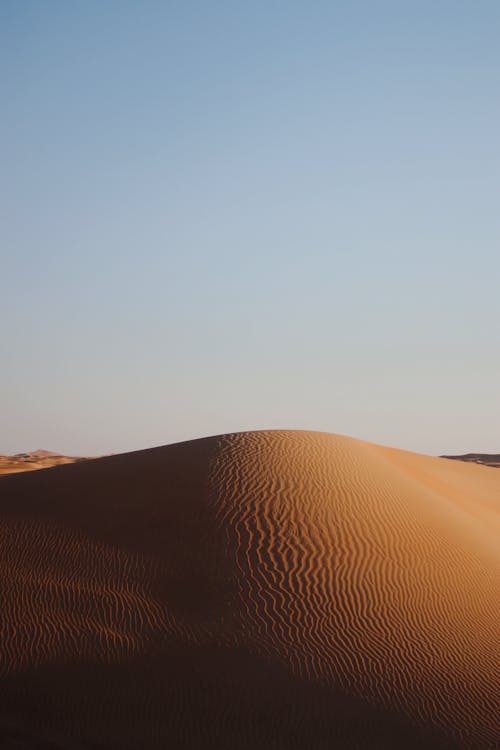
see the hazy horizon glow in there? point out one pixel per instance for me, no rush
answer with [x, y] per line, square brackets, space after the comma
[276, 215]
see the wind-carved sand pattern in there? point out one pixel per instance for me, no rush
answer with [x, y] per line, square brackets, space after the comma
[353, 576]
[255, 590]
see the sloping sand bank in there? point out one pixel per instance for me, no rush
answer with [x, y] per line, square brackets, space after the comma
[255, 590]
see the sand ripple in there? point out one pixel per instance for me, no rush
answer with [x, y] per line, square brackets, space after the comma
[361, 582]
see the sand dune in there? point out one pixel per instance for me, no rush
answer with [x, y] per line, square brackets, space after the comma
[34, 460]
[254, 590]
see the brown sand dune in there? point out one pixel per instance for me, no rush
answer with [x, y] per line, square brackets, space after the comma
[34, 460]
[255, 590]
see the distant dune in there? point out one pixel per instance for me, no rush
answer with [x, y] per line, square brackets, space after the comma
[266, 590]
[34, 460]
[488, 459]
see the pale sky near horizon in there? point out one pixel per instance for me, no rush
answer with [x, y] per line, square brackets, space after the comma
[221, 216]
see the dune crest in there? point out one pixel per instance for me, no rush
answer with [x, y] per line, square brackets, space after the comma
[266, 589]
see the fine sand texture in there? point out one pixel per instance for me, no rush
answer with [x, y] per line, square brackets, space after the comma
[34, 460]
[264, 590]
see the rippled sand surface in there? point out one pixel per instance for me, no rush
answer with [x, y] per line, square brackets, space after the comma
[253, 590]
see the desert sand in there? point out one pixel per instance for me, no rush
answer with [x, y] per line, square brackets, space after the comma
[255, 590]
[34, 460]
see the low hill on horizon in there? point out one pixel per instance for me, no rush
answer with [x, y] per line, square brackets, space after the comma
[278, 590]
[487, 459]
[34, 460]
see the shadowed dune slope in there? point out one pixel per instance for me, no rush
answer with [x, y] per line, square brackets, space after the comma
[253, 590]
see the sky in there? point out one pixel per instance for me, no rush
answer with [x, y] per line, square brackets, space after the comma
[222, 216]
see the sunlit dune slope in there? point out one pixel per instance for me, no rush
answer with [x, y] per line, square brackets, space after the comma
[255, 590]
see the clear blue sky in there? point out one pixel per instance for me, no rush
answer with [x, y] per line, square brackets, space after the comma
[223, 215]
